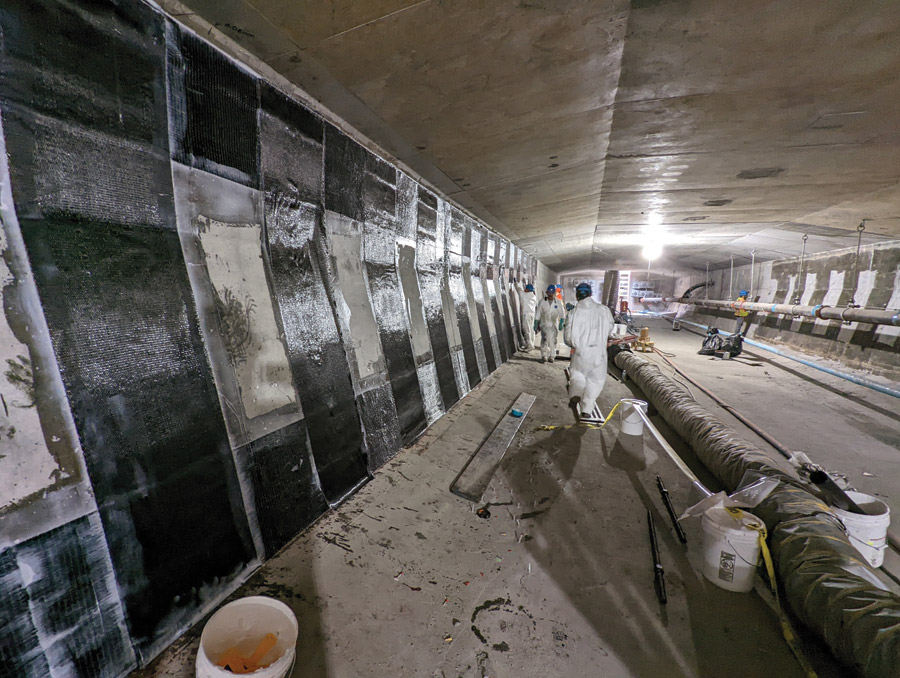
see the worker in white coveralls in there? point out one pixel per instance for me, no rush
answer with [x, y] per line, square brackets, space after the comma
[549, 319]
[528, 300]
[587, 330]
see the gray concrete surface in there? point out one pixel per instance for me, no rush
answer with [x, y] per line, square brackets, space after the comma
[557, 582]
[563, 124]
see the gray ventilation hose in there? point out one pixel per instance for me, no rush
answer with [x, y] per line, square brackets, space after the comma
[826, 583]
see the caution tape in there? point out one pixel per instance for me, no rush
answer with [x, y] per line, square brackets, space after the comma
[581, 424]
[790, 636]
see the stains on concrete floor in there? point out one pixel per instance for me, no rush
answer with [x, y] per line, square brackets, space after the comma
[405, 579]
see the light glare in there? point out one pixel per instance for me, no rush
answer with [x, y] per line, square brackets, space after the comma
[652, 251]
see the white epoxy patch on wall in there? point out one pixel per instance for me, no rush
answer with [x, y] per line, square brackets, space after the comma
[234, 262]
[26, 465]
[792, 285]
[835, 287]
[43, 481]
[354, 309]
[768, 286]
[885, 331]
[808, 289]
[220, 228]
[864, 286]
[406, 271]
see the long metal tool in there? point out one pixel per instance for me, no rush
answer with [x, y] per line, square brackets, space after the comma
[664, 493]
[471, 482]
[659, 578]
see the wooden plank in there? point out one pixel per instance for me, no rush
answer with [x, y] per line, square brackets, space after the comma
[471, 482]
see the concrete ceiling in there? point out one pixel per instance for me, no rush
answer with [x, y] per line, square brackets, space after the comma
[564, 123]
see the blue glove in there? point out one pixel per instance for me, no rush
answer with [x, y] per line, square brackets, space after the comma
[561, 321]
[537, 325]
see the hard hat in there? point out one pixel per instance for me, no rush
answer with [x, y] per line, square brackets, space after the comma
[743, 293]
[551, 288]
[529, 287]
[583, 291]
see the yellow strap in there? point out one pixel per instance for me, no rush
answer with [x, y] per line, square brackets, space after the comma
[582, 425]
[790, 636]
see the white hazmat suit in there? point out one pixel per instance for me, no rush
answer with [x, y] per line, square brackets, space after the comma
[587, 330]
[549, 313]
[528, 302]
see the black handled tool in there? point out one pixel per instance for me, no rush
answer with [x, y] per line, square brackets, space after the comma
[833, 494]
[664, 493]
[659, 579]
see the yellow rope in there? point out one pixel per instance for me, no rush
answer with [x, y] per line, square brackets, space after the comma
[790, 636]
[581, 424]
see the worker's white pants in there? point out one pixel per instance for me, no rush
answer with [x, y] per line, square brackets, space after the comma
[549, 335]
[587, 376]
[528, 331]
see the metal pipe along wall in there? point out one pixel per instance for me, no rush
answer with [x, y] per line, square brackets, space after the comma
[845, 314]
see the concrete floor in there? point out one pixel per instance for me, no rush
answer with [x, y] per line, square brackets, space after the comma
[405, 580]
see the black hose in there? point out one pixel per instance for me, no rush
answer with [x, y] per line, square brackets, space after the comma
[687, 292]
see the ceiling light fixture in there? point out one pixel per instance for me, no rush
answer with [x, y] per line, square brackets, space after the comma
[652, 251]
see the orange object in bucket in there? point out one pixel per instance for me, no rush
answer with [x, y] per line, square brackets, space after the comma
[240, 625]
[239, 665]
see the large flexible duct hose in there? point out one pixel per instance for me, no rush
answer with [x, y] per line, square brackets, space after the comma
[826, 583]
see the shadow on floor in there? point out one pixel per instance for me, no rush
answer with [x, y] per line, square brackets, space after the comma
[585, 532]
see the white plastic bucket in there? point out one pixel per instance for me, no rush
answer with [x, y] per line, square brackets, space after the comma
[868, 533]
[730, 548]
[632, 423]
[242, 624]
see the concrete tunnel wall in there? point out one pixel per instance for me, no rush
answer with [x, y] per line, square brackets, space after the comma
[221, 314]
[827, 279]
